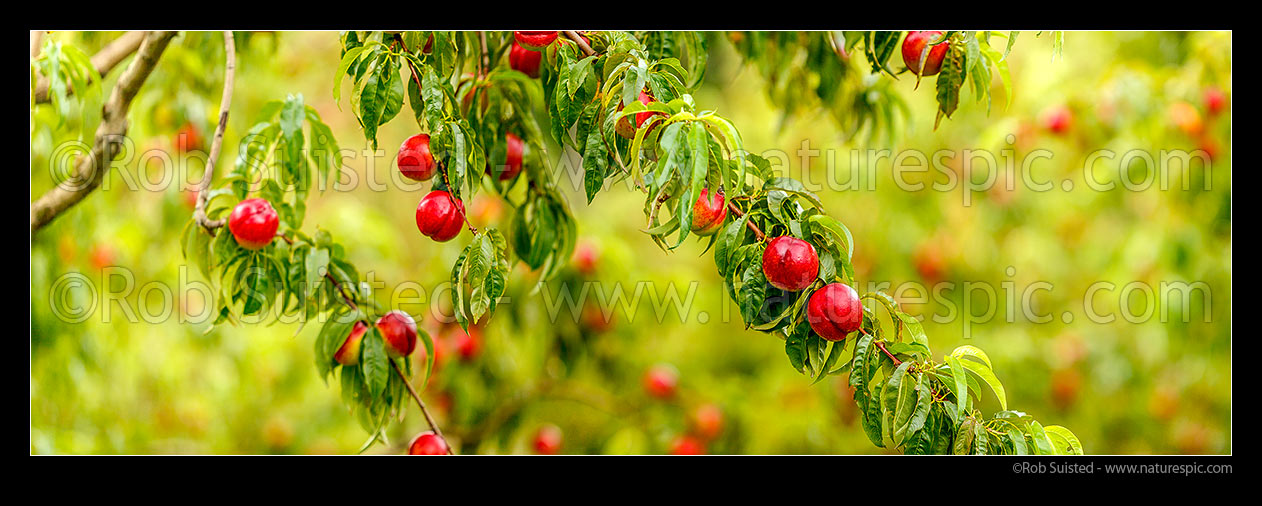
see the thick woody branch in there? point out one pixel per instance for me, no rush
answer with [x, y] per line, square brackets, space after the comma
[104, 61]
[90, 169]
[225, 103]
[37, 38]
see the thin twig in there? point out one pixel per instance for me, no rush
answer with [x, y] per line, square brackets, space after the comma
[442, 172]
[419, 403]
[416, 76]
[582, 44]
[90, 169]
[881, 345]
[428, 419]
[225, 103]
[486, 58]
[748, 223]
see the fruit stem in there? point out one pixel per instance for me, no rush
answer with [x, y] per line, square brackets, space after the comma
[428, 419]
[881, 345]
[415, 76]
[573, 35]
[225, 103]
[442, 172]
[748, 223]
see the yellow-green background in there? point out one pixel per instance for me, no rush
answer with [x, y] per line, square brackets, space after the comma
[1123, 388]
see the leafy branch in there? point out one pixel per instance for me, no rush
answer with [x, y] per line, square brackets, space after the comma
[629, 113]
[102, 62]
[90, 168]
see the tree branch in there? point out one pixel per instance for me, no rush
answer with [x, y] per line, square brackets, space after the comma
[881, 345]
[486, 58]
[748, 223]
[442, 172]
[225, 103]
[415, 396]
[574, 36]
[37, 39]
[428, 419]
[89, 170]
[104, 61]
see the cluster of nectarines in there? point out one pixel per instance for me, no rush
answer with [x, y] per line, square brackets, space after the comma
[398, 332]
[791, 264]
[440, 215]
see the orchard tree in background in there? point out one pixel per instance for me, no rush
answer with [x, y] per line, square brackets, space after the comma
[623, 101]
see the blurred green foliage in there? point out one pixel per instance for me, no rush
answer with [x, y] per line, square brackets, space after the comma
[1152, 387]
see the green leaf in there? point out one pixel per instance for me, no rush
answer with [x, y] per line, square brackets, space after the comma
[458, 270]
[835, 228]
[899, 398]
[1018, 442]
[292, 115]
[727, 243]
[316, 264]
[372, 99]
[352, 55]
[950, 80]
[480, 260]
[964, 438]
[432, 93]
[795, 349]
[595, 164]
[859, 378]
[693, 176]
[881, 44]
[915, 329]
[1000, 64]
[752, 293]
[1012, 39]
[393, 96]
[924, 404]
[375, 363]
[1042, 444]
[1066, 442]
[795, 187]
[961, 383]
[330, 339]
[324, 149]
[858, 364]
[834, 354]
[984, 372]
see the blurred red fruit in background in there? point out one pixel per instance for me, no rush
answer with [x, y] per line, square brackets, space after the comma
[660, 381]
[687, 445]
[548, 440]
